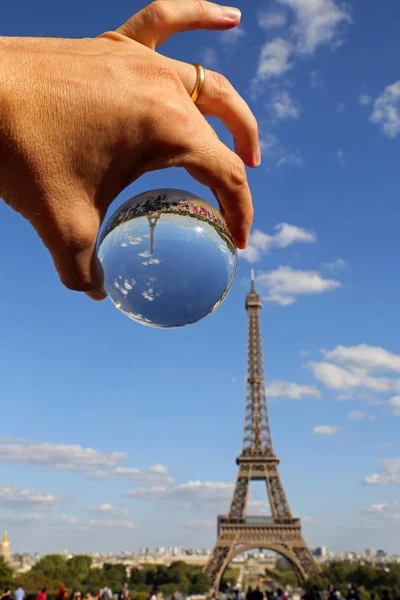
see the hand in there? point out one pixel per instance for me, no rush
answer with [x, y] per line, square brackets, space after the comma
[82, 119]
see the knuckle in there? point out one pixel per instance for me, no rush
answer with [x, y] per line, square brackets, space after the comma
[222, 88]
[201, 8]
[238, 171]
[159, 13]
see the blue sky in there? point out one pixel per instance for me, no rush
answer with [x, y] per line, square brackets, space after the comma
[118, 436]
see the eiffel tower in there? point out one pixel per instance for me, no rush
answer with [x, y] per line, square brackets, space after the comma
[280, 532]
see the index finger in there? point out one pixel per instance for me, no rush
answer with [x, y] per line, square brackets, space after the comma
[214, 165]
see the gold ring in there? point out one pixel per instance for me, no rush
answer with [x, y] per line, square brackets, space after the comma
[201, 75]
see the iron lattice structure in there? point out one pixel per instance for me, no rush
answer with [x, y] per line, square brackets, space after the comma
[280, 532]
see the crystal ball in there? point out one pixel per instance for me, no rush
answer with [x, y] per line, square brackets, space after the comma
[168, 258]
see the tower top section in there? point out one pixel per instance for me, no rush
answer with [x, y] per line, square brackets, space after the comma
[253, 300]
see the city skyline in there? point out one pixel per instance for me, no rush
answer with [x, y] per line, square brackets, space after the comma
[113, 434]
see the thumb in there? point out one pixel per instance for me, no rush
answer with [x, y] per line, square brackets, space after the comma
[153, 25]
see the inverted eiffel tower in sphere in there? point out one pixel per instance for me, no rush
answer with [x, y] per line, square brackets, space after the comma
[280, 532]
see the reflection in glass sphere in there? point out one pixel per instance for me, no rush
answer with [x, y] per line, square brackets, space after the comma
[168, 258]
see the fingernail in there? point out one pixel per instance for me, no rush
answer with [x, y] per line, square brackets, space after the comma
[257, 157]
[232, 14]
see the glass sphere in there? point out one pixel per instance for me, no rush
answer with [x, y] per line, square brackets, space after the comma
[168, 258]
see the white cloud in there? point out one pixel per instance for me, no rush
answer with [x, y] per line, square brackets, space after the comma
[394, 405]
[232, 36]
[271, 19]
[366, 356]
[158, 469]
[336, 265]
[210, 58]
[364, 100]
[390, 465]
[317, 22]
[385, 514]
[41, 520]
[65, 457]
[287, 389]
[357, 367]
[308, 520]
[153, 476]
[286, 235]
[18, 498]
[110, 509]
[282, 106]
[325, 430]
[285, 283]
[204, 524]
[341, 157]
[389, 473]
[316, 80]
[376, 479]
[113, 524]
[340, 108]
[356, 415]
[340, 378]
[201, 495]
[274, 59]
[289, 158]
[386, 111]
[342, 397]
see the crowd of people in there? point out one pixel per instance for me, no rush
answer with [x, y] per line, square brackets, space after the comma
[104, 594]
[313, 594]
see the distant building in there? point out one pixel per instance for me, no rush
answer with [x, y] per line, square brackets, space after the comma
[381, 554]
[320, 552]
[5, 547]
[370, 552]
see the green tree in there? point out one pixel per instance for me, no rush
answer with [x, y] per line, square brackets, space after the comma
[6, 574]
[78, 569]
[95, 580]
[200, 584]
[138, 577]
[115, 575]
[52, 566]
[32, 581]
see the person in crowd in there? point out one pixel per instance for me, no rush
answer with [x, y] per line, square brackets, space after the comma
[6, 594]
[333, 594]
[61, 593]
[386, 595]
[159, 595]
[153, 594]
[124, 593]
[42, 594]
[88, 596]
[176, 595]
[238, 594]
[19, 593]
[257, 594]
[281, 594]
[353, 594]
[249, 593]
[105, 593]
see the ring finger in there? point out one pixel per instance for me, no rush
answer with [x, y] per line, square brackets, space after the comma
[220, 99]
